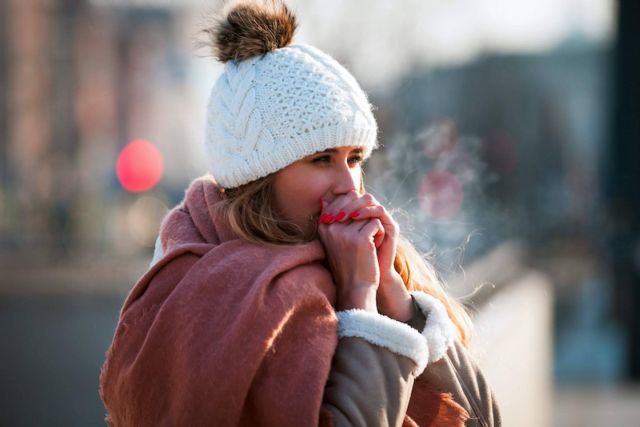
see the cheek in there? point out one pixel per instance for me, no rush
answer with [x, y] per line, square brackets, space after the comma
[305, 197]
[300, 200]
[298, 196]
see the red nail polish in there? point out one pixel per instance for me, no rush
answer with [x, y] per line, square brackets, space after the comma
[330, 218]
[340, 215]
[355, 214]
[323, 218]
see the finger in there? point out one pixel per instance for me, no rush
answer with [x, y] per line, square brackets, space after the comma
[379, 212]
[355, 205]
[374, 230]
[368, 212]
[325, 214]
[379, 238]
[374, 212]
[390, 226]
[334, 211]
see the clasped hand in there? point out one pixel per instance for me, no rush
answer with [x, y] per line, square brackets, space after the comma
[360, 239]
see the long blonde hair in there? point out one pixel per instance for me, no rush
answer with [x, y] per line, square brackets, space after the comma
[252, 215]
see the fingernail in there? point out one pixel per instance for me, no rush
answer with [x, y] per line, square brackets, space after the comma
[355, 214]
[340, 215]
[330, 218]
[322, 218]
[326, 218]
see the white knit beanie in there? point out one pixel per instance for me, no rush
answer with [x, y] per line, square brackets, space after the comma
[276, 103]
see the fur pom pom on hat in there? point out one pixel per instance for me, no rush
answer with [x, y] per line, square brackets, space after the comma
[250, 29]
[276, 102]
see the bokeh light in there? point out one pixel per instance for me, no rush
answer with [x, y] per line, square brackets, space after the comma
[139, 166]
[440, 194]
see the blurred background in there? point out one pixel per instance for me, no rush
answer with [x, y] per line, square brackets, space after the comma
[510, 135]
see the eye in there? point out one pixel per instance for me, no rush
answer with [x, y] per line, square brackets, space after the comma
[322, 159]
[327, 159]
[356, 159]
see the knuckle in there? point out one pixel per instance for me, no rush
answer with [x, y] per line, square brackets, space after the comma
[351, 194]
[368, 198]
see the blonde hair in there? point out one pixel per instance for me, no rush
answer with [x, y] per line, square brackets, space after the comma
[252, 215]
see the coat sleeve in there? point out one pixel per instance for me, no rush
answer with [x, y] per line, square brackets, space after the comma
[458, 374]
[373, 370]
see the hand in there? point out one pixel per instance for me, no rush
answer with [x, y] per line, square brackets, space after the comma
[393, 299]
[352, 258]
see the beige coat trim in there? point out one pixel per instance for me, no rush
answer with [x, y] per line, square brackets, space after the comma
[439, 330]
[385, 332]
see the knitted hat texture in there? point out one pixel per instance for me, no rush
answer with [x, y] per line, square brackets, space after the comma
[270, 110]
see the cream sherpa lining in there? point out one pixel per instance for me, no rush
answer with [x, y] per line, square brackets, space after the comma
[439, 331]
[385, 332]
[426, 347]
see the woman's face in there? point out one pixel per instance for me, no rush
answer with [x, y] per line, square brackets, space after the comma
[326, 174]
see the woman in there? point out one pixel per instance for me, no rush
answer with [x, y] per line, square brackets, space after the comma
[283, 293]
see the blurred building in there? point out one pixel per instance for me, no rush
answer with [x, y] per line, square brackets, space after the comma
[541, 123]
[80, 81]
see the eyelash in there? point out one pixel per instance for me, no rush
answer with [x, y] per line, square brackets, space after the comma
[358, 159]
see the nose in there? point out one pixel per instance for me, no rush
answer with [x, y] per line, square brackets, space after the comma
[346, 179]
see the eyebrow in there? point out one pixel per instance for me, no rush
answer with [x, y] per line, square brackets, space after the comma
[334, 150]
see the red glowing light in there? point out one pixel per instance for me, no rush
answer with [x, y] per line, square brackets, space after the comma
[440, 194]
[139, 166]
